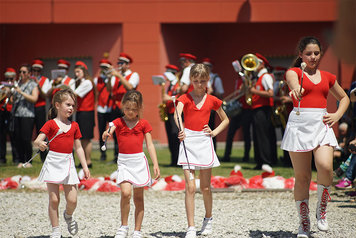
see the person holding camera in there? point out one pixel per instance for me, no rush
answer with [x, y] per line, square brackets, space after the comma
[105, 85]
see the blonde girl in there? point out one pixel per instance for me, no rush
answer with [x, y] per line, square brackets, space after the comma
[197, 152]
[133, 170]
[59, 167]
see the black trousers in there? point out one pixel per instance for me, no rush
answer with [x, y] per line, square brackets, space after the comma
[173, 141]
[23, 138]
[40, 120]
[103, 119]
[5, 118]
[244, 120]
[212, 125]
[263, 137]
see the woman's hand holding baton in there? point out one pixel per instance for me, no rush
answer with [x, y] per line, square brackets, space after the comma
[103, 148]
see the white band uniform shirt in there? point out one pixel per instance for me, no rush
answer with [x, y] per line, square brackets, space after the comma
[134, 78]
[306, 131]
[132, 163]
[199, 146]
[59, 165]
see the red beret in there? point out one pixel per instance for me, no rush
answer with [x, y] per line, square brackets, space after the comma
[81, 63]
[125, 57]
[63, 63]
[261, 57]
[173, 67]
[187, 56]
[207, 61]
[105, 63]
[10, 72]
[37, 63]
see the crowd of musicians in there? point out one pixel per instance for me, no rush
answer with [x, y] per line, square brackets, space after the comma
[259, 103]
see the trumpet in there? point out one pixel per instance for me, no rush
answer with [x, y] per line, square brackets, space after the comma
[249, 63]
[162, 106]
[6, 90]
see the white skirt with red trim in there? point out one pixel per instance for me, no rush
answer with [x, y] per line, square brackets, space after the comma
[306, 131]
[200, 151]
[133, 168]
[59, 168]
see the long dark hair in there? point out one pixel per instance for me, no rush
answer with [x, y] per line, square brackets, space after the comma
[86, 76]
[59, 97]
[302, 45]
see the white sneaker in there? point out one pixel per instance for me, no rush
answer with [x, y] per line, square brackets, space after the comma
[191, 232]
[137, 234]
[56, 234]
[71, 224]
[207, 227]
[267, 168]
[304, 221]
[122, 232]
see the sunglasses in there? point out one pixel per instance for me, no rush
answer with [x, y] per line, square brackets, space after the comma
[23, 72]
[36, 70]
[9, 79]
[121, 62]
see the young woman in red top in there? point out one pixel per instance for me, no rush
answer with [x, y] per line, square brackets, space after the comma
[59, 167]
[133, 169]
[309, 130]
[197, 137]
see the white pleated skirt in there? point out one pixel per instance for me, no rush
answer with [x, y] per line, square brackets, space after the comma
[133, 168]
[306, 131]
[200, 151]
[59, 168]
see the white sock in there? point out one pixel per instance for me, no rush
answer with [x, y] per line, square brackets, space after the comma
[67, 216]
[56, 229]
[126, 227]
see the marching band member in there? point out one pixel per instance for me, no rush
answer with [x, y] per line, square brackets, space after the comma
[128, 80]
[242, 119]
[23, 111]
[262, 101]
[66, 80]
[187, 61]
[170, 125]
[105, 86]
[85, 92]
[6, 117]
[44, 86]
[217, 90]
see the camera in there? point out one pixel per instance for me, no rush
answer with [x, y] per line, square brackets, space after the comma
[352, 148]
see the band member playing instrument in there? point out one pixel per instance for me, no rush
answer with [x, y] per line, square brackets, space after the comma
[170, 125]
[242, 119]
[128, 80]
[105, 86]
[23, 111]
[44, 86]
[85, 92]
[187, 61]
[196, 150]
[310, 132]
[264, 138]
[60, 81]
[5, 114]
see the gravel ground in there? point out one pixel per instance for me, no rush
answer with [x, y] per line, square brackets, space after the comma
[239, 214]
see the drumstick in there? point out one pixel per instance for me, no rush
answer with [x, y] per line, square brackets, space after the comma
[191, 177]
[38, 151]
[103, 148]
[302, 65]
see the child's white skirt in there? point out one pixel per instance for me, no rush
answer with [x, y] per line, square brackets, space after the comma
[307, 131]
[59, 168]
[134, 169]
[200, 151]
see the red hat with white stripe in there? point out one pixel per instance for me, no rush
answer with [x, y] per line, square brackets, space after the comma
[105, 63]
[172, 68]
[187, 56]
[10, 72]
[262, 59]
[37, 63]
[81, 63]
[207, 61]
[125, 57]
[63, 64]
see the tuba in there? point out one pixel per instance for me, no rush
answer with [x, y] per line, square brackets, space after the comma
[249, 63]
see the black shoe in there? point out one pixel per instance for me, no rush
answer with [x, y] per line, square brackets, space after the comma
[103, 157]
[245, 159]
[258, 167]
[226, 159]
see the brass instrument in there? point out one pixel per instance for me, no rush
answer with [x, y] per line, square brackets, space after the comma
[162, 107]
[280, 111]
[249, 63]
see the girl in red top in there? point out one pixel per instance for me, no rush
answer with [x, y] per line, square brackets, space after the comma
[310, 131]
[133, 169]
[59, 167]
[197, 136]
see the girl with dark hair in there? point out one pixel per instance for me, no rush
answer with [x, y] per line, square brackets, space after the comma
[59, 167]
[309, 130]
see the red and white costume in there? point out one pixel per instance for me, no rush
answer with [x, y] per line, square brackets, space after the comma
[133, 78]
[85, 96]
[306, 131]
[59, 167]
[45, 86]
[131, 162]
[199, 146]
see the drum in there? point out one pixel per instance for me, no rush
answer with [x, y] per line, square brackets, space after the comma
[232, 107]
